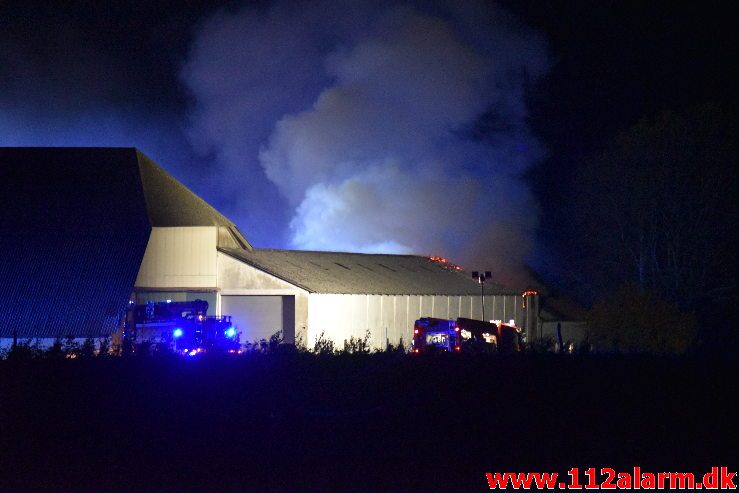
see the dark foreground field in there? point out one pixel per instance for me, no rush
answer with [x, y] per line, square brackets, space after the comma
[296, 422]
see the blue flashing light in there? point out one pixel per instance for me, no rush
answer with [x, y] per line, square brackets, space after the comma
[230, 332]
[177, 332]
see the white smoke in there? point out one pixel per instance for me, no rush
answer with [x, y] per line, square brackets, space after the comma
[385, 127]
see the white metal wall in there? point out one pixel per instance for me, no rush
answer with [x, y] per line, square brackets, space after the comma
[390, 318]
[183, 257]
[238, 278]
[341, 316]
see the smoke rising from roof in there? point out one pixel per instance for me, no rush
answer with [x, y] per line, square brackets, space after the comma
[375, 126]
[386, 127]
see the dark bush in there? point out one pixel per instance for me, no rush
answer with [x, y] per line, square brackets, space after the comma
[25, 350]
[104, 346]
[323, 345]
[356, 345]
[57, 350]
[632, 321]
[87, 349]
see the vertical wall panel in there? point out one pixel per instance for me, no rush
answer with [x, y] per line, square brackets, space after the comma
[500, 308]
[183, 257]
[518, 312]
[328, 319]
[374, 315]
[454, 306]
[388, 321]
[427, 307]
[488, 307]
[441, 306]
[510, 303]
[414, 308]
[476, 308]
[358, 315]
[341, 323]
[402, 329]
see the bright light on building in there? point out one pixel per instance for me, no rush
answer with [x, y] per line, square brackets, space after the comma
[177, 332]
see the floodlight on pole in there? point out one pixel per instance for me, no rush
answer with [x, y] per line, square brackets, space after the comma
[481, 277]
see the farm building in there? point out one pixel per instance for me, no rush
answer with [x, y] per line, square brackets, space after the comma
[86, 230]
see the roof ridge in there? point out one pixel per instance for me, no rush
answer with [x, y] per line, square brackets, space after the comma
[332, 252]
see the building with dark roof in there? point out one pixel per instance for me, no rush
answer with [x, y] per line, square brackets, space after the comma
[362, 273]
[85, 229]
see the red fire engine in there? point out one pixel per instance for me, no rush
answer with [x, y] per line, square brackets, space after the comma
[464, 335]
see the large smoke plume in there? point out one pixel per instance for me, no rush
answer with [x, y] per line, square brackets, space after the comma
[384, 127]
[371, 125]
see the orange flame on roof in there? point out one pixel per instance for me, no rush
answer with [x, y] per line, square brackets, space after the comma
[528, 292]
[444, 262]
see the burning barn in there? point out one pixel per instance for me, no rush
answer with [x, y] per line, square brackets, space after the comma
[85, 231]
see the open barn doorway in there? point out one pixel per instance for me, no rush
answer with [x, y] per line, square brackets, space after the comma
[260, 316]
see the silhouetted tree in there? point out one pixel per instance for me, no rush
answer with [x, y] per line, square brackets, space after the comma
[87, 349]
[103, 346]
[657, 210]
[56, 350]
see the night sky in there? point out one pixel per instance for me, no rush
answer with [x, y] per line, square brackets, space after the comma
[364, 126]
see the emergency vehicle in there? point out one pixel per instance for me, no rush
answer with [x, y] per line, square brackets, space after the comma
[464, 335]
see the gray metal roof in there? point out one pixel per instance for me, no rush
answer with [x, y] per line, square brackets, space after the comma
[359, 273]
[74, 224]
[170, 203]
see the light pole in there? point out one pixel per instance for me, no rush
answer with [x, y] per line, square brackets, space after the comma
[481, 277]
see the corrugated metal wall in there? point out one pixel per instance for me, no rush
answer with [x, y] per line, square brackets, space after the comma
[183, 257]
[341, 316]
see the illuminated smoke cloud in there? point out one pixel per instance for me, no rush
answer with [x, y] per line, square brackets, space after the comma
[384, 127]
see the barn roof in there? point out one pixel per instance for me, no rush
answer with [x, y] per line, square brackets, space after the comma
[359, 273]
[170, 203]
[74, 224]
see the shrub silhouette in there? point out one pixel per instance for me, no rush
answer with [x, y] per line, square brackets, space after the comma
[323, 345]
[356, 345]
[633, 321]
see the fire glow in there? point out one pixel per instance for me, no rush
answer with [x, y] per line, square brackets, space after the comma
[445, 263]
[528, 292]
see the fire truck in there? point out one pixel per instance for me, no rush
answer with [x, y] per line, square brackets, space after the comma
[464, 335]
[184, 324]
[435, 335]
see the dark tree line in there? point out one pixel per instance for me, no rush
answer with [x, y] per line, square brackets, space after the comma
[657, 211]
